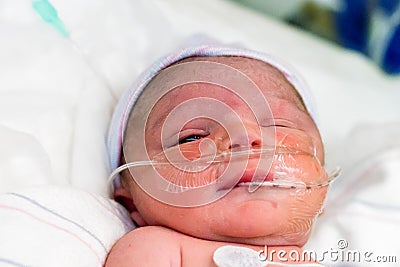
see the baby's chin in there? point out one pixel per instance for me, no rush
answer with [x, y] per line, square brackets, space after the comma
[265, 217]
[268, 216]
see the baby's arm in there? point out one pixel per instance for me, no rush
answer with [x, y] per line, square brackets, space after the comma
[146, 246]
[159, 246]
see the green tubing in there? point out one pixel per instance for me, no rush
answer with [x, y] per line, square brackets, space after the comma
[49, 14]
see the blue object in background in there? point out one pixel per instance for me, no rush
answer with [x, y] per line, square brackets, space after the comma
[352, 24]
[391, 59]
[371, 27]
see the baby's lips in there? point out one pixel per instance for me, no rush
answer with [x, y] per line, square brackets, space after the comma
[255, 175]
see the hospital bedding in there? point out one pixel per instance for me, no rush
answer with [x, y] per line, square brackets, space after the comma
[57, 94]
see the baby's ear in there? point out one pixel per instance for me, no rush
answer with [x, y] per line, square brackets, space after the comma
[123, 196]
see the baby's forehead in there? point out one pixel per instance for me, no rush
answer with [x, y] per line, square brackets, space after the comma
[277, 90]
[267, 77]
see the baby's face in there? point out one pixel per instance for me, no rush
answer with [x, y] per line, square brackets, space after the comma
[272, 216]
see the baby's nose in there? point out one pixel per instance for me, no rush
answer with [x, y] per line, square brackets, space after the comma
[249, 136]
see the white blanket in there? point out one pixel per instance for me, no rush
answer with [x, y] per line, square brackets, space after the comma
[58, 226]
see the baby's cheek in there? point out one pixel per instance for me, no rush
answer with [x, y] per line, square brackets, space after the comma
[295, 139]
[183, 176]
[301, 213]
[298, 168]
[305, 204]
[185, 168]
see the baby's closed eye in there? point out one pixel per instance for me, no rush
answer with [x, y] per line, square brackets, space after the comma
[190, 138]
[191, 135]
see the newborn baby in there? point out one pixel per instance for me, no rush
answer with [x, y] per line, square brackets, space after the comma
[218, 146]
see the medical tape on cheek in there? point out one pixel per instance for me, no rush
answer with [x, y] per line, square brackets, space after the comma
[286, 172]
[295, 167]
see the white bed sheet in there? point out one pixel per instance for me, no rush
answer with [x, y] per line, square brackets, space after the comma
[57, 93]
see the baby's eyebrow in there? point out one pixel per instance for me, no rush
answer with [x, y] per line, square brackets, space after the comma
[163, 109]
[155, 124]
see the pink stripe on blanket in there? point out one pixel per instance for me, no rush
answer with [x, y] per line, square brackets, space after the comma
[54, 226]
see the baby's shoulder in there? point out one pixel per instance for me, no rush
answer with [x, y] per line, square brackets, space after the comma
[152, 233]
[152, 245]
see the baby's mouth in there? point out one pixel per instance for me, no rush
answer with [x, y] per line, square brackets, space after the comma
[254, 178]
[249, 177]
